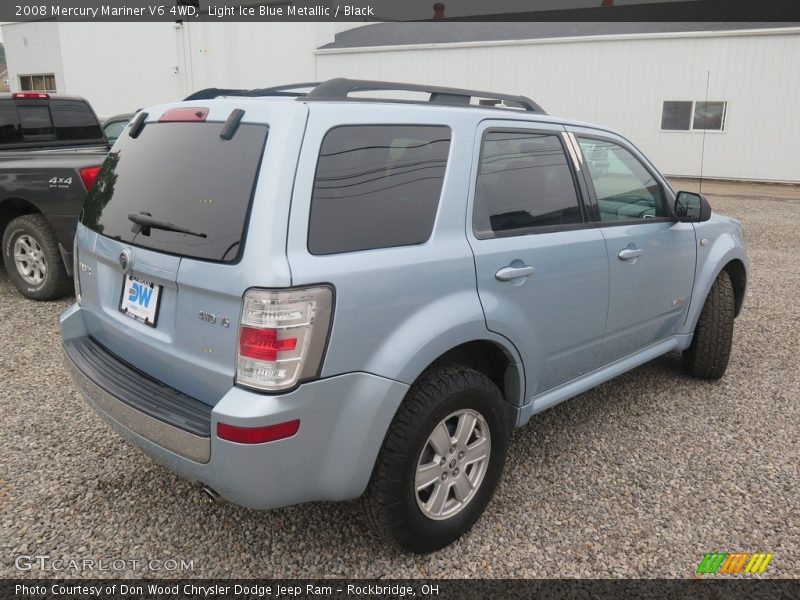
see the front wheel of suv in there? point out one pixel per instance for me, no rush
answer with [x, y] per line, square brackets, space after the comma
[441, 460]
[707, 357]
[32, 259]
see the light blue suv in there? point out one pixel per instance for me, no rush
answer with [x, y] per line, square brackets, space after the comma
[292, 295]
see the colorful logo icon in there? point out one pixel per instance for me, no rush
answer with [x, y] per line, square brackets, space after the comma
[140, 293]
[738, 562]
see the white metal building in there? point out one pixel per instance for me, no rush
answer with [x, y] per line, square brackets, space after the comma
[120, 67]
[673, 88]
[616, 74]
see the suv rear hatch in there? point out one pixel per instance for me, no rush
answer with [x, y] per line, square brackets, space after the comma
[161, 247]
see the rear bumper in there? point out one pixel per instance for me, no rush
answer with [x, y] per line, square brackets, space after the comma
[342, 424]
[157, 412]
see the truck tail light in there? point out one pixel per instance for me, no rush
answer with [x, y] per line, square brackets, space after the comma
[88, 176]
[282, 336]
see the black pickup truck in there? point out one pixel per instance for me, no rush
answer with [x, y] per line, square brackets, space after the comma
[51, 149]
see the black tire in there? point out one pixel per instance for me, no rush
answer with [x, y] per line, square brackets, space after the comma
[55, 283]
[707, 357]
[390, 503]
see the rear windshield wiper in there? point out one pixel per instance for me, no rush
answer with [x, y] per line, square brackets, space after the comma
[145, 221]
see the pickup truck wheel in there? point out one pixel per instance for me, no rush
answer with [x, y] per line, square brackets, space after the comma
[707, 357]
[441, 460]
[32, 259]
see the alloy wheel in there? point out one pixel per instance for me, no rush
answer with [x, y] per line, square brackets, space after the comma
[29, 259]
[452, 464]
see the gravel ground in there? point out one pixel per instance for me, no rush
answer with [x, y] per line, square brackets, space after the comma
[636, 478]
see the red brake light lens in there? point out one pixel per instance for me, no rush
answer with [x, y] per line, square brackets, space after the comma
[257, 435]
[35, 95]
[185, 114]
[263, 344]
[88, 176]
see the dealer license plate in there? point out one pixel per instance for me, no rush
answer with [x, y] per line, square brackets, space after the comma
[140, 300]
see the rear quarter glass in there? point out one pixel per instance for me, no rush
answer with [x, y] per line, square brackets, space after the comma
[377, 186]
[183, 174]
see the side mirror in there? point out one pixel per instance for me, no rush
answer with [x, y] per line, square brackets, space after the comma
[692, 208]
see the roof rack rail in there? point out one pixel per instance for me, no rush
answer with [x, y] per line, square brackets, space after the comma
[278, 90]
[340, 89]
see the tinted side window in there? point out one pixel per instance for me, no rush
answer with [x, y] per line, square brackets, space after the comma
[9, 123]
[377, 186]
[74, 120]
[625, 189]
[524, 181]
[36, 122]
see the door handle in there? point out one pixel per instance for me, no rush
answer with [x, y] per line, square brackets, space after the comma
[629, 253]
[509, 273]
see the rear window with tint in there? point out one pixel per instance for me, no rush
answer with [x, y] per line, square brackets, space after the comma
[10, 132]
[183, 174]
[74, 120]
[377, 186]
[36, 122]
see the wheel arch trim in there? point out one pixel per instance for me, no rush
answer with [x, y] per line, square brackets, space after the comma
[724, 252]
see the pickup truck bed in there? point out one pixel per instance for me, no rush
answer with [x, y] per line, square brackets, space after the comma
[48, 161]
[51, 181]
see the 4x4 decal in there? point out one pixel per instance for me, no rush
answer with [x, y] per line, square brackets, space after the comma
[60, 183]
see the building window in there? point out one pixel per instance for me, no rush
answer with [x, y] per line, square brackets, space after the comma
[38, 83]
[693, 115]
[709, 115]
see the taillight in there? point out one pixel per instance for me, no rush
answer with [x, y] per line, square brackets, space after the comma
[88, 176]
[263, 344]
[282, 336]
[34, 95]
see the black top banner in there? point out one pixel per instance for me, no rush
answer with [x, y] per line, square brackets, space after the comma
[402, 10]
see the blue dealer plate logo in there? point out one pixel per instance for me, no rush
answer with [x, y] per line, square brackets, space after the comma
[140, 294]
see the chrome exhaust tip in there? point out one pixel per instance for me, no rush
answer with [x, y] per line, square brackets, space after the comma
[210, 496]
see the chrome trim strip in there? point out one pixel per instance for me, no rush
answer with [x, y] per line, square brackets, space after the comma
[571, 150]
[576, 146]
[183, 443]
